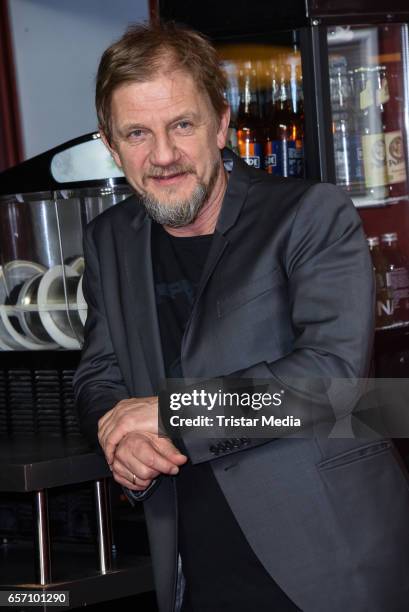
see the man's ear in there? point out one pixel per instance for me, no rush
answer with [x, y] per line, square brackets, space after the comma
[223, 128]
[111, 148]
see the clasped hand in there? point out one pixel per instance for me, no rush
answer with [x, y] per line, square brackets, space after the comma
[128, 435]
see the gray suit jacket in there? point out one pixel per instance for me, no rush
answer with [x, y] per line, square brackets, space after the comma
[287, 292]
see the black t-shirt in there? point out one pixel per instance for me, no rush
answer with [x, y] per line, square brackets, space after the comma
[221, 570]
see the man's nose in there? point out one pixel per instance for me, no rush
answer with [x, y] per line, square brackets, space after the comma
[164, 151]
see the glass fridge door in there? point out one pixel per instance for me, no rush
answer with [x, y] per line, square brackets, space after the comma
[369, 89]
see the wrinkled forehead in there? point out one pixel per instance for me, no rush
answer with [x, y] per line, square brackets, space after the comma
[165, 91]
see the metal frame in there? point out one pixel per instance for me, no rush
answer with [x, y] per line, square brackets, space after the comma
[319, 155]
[42, 531]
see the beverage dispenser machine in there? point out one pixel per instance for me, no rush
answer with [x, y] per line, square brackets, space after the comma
[44, 204]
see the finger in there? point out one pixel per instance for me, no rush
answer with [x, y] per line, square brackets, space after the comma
[160, 457]
[143, 451]
[108, 451]
[169, 450]
[109, 440]
[134, 466]
[103, 432]
[140, 485]
[113, 438]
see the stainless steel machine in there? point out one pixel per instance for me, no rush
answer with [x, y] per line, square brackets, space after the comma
[44, 204]
[63, 519]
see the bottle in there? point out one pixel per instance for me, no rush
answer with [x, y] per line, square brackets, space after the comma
[296, 142]
[372, 132]
[384, 296]
[347, 150]
[390, 45]
[397, 276]
[249, 130]
[232, 96]
[394, 145]
[283, 147]
[355, 140]
[271, 79]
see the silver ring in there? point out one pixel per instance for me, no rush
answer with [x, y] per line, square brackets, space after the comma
[133, 478]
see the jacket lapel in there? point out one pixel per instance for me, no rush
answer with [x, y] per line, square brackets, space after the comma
[145, 332]
[234, 199]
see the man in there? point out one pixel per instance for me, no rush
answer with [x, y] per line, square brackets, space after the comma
[214, 269]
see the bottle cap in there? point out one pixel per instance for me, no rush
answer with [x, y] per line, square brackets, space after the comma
[390, 237]
[372, 241]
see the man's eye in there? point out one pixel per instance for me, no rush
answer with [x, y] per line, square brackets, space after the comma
[184, 125]
[136, 134]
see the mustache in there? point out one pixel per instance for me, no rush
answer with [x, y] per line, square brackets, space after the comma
[155, 172]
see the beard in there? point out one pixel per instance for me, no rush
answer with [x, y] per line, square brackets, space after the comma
[180, 212]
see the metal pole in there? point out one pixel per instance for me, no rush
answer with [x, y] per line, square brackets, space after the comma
[43, 560]
[103, 525]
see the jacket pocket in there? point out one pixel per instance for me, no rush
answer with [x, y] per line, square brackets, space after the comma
[357, 454]
[235, 297]
[365, 499]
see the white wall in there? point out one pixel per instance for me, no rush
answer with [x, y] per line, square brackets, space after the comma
[57, 46]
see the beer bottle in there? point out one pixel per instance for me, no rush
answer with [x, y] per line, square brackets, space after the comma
[372, 132]
[284, 154]
[397, 276]
[300, 97]
[232, 95]
[348, 161]
[249, 129]
[394, 145]
[390, 45]
[384, 296]
[272, 87]
[296, 142]
[270, 155]
[355, 140]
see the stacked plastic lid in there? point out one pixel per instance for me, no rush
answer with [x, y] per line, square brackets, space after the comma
[41, 308]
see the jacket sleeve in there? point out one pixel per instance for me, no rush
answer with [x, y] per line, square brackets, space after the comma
[98, 383]
[331, 301]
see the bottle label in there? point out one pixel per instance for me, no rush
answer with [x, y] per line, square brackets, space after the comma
[384, 308]
[252, 153]
[367, 96]
[295, 152]
[382, 94]
[373, 148]
[395, 157]
[398, 280]
[348, 159]
[357, 161]
[270, 162]
[284, 158]
[275, 157]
